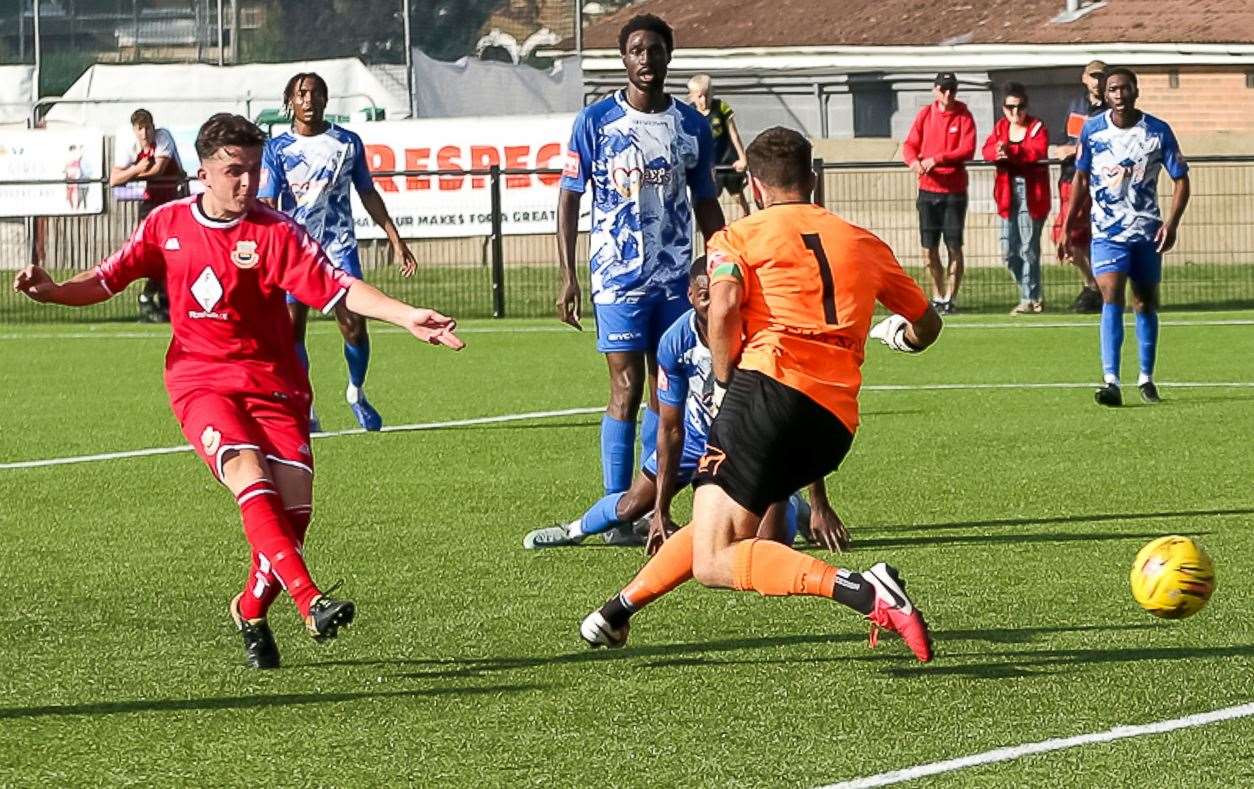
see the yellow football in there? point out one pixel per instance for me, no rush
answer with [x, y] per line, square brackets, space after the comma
[1172, 577]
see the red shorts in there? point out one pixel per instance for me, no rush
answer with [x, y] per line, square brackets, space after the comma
[1081, 231]
[215, 423]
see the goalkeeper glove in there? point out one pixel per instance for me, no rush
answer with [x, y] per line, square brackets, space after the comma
[892, 332]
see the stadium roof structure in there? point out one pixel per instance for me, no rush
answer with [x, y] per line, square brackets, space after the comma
[868, 35]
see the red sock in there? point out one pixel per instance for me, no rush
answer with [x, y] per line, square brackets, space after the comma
[272, 538]
[262, 587]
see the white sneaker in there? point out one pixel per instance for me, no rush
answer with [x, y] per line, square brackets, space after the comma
[598, 633]
[550, 537]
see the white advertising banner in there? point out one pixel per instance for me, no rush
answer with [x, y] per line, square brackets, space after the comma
[452, 206]
[57, 155]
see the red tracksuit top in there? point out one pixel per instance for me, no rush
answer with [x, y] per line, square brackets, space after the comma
[948, 136]
[1024, 159]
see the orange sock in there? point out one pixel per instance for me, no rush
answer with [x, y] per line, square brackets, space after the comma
[770, 568]
[669, 567]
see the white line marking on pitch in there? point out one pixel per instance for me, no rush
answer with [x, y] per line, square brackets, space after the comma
[488, 420]
[1045, 746]
[314, 331]
[135, 453]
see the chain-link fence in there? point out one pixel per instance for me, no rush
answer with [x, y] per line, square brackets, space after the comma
[495, 274]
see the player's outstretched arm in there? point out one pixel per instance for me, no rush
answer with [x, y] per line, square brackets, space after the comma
[570, 298]
[709, 216]
[826, 527]
[1079, 192]
[901, 334]
[427, 325]
[724, 331]
[1166, 237]
[670, 442]
[372, 201]
[81, 290]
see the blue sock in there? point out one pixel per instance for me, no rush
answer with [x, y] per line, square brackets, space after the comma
[790, 520]
[358, 358]
[1147, 337]
[648, 438]
[1112, 338]
[618, 450]
[303, 354]
[603, 515]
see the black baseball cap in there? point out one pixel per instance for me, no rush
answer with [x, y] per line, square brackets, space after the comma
[946, 79]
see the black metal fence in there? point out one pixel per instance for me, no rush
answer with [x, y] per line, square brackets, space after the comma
[500, 275]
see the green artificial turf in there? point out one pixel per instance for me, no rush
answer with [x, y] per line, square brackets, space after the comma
[1014, 513]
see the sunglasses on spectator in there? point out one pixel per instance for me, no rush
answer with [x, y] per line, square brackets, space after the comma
[1014, 107]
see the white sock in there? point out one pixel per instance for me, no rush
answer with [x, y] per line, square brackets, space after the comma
[1111, 379]
[1143, 379]
[575, 528]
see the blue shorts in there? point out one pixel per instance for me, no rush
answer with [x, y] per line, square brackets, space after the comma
[349, 263]
[637, 326]
[1139, 261]
[688, 459]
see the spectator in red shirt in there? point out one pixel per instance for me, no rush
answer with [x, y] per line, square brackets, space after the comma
[1019, 145]
[941, 141]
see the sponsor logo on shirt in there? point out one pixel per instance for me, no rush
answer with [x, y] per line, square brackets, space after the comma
[207, 290]
[628, 180]
[571, 168]
[172, 245]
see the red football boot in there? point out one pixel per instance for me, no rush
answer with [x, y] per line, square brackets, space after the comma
[894, 611]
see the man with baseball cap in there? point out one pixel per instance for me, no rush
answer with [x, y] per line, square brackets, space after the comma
[1082, 107]
[941, 141]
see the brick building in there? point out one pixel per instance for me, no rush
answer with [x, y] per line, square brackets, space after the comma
[860, 69]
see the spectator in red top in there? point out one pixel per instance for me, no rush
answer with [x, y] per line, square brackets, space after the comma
[941, 140]
[1019, 145]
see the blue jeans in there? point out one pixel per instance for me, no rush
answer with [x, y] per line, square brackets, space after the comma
[1021, 243]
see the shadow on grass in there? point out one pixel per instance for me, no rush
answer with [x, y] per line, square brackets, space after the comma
[1090, 518]
[244, 702]
[1027, 663]
[706, 653]
[995, 539]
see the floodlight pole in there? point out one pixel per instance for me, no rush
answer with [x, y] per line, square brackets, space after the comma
[34, 88]
[409, 62]
[579, 28]
[220, 23]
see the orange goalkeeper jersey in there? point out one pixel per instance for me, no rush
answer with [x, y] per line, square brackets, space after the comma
[810, 283]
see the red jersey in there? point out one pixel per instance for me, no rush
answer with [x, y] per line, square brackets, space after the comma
[948, 136]
[227, 282]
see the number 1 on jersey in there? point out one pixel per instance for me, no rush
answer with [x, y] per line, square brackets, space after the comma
[815, 245]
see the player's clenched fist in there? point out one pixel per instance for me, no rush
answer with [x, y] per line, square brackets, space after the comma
[34, 282]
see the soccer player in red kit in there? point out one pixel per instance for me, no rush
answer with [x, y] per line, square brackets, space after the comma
[236, 386]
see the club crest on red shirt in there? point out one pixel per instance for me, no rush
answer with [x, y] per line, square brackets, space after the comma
[245, 254]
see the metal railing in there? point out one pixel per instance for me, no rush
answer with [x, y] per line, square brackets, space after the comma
[501, 275]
